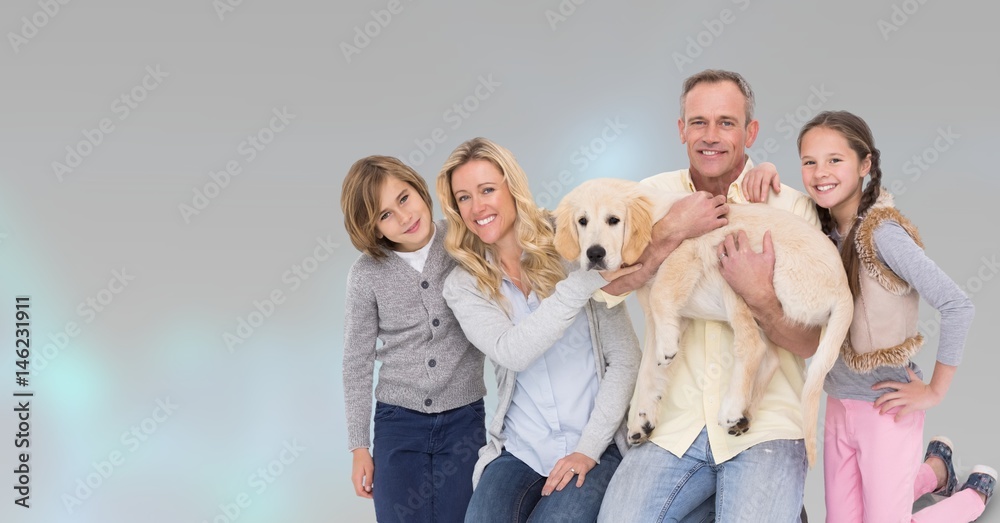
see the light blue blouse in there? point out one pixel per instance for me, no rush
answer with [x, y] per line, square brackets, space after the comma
[554, 396]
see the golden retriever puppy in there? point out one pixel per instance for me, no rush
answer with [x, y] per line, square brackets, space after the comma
[607, 223]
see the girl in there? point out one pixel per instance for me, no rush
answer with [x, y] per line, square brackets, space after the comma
[565, 366]
[429, 418]
[876, 399]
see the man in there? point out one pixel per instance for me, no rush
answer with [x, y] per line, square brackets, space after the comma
[691, 466]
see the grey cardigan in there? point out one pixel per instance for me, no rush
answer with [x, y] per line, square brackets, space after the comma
[427, 363]
[513, 348]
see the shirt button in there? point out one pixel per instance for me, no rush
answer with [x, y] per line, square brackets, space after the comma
[424, 284]
[436, 322]
[427, 402]
[432, 363]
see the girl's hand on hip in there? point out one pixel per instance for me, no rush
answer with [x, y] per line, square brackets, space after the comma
[576, 464]
[362, 475]
[913, 396]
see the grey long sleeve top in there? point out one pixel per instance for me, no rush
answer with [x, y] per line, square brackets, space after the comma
[512, 348]
[428, 365]
[897, 250]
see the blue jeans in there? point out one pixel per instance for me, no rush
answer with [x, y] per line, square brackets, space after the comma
[511, 492]
[424, 462]
[764, 483]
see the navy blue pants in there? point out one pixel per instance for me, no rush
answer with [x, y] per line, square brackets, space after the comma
[424, 462]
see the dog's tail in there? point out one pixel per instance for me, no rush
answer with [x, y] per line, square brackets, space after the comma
[837, 328]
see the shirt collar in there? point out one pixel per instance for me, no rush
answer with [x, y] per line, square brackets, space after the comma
[735, 193]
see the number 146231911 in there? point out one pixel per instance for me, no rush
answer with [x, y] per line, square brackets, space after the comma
[22, 338]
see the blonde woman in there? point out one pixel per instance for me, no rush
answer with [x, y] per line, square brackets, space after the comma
[565, 366]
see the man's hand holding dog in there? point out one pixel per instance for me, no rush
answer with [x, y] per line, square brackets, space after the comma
[575, 464]
[751, 275]
[690, 217]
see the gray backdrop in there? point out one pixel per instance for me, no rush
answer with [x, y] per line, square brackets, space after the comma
[170, 189]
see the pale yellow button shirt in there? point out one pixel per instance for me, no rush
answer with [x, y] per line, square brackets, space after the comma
[701, 374]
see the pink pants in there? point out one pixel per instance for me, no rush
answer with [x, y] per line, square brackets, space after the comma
[873, 471]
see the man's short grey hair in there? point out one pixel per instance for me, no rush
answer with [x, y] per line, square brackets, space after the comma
[714, 76]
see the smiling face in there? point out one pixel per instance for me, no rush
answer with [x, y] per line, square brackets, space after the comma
[714, 129]
[485, 202]
[403, 217]
[832, 172]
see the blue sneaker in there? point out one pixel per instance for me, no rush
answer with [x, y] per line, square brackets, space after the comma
[942, 448]
[983, 480]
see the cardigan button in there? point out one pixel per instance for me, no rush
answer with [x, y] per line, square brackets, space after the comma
[424, 284]
[436, 322]
[427, 402]
[432, 363]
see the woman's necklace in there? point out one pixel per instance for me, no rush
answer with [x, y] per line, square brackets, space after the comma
[517, 281]
[512, 277]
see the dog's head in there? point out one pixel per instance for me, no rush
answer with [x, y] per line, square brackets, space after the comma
[604, 224]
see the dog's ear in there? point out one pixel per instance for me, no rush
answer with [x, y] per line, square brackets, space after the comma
[638, 228]
[567, 241]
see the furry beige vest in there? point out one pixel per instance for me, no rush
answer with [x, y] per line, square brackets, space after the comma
[884, 329]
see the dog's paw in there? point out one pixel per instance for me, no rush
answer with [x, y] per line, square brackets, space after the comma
[640, 428]
[732, 415]
[665, 351]
[665, 357]
[738, 427]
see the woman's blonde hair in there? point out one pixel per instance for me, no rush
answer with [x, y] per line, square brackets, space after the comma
[541, 267]
[360, 200]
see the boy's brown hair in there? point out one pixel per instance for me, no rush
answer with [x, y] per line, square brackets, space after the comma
[359, 200]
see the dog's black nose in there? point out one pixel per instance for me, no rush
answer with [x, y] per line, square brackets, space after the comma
[596, 253]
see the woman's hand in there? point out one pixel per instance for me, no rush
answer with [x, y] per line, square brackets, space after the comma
[576, 464]
[912, 396]
[612, 275]
[362, 475]
[758, 181]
